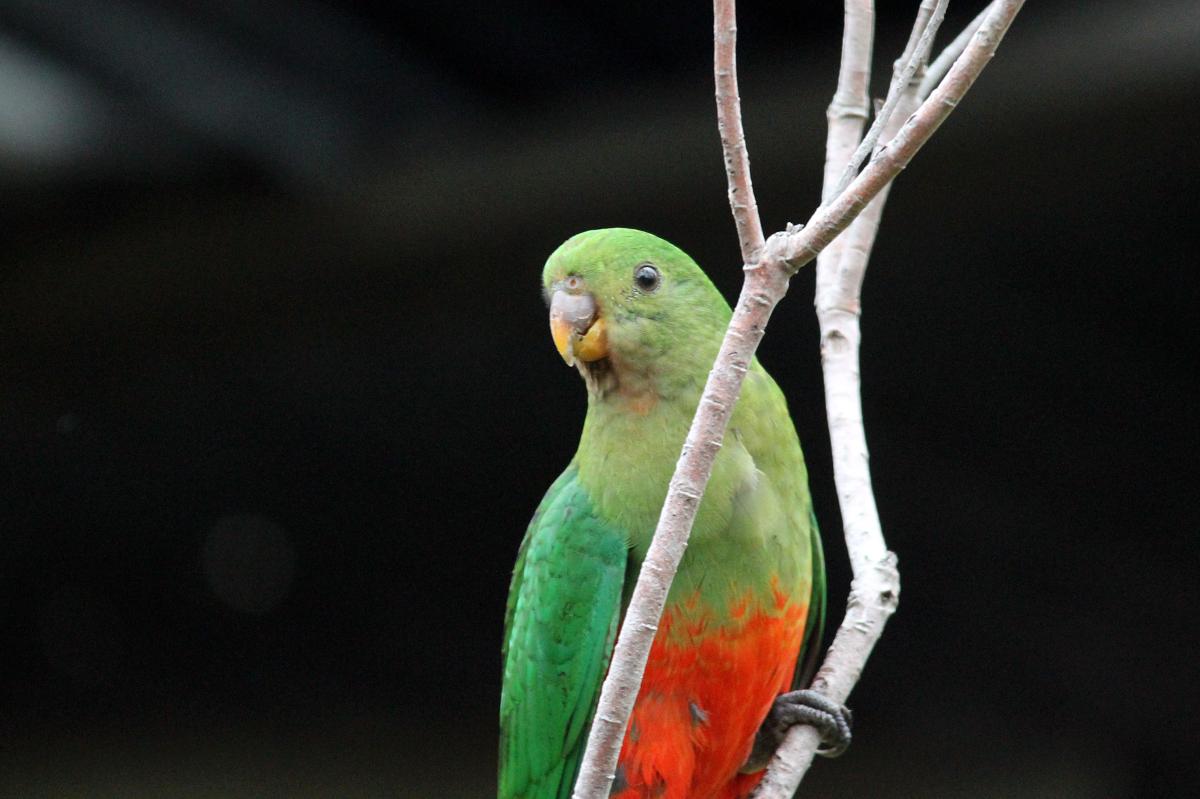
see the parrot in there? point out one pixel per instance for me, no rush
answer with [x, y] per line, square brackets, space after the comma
[740, 633]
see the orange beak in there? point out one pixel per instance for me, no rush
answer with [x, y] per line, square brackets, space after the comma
[579, 334]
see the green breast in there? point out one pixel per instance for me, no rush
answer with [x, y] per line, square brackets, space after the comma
[755, 521]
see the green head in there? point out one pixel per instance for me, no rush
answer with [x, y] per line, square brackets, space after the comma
[632, 311]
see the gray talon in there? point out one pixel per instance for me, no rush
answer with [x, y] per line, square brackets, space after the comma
[801, 707]
[830, 718]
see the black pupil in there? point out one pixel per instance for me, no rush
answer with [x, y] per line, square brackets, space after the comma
[647, 277]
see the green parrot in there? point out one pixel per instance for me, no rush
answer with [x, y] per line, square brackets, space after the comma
[642, 324]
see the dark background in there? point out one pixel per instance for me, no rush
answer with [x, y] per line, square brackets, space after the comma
[277, 394]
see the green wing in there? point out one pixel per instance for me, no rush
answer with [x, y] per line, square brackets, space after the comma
[814, 628]
[564, 607]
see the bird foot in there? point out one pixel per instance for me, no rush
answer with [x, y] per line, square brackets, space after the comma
[801, 707]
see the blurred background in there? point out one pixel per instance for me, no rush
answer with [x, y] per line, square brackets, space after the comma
[277, 394]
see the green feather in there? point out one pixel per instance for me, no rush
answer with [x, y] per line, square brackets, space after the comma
[563, 610]
[814, 628]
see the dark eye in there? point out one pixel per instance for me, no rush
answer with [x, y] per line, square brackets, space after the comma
[647, 278]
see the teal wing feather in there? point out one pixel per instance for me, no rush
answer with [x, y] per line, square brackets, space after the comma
[563, 611]
[814, 628]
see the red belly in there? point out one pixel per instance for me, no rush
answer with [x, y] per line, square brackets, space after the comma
[706, 690]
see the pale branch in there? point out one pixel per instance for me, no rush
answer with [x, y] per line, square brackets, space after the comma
[765, 283]
[838, 312]
[733, 137]
[628, 664]
[876, 585]
[941, 65]
[847, 113]
[920, 42]
[839, 283]
[837, 266]
[838, 295]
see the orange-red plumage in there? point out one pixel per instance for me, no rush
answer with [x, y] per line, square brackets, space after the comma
[708, 685]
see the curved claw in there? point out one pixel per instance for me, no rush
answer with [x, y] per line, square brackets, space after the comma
[830, 718]
[810, 707]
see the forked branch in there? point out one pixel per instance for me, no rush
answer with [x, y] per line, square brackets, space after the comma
[941, 65]
[929, 19]
[766, 279]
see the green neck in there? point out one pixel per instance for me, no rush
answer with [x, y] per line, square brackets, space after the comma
[627, 452]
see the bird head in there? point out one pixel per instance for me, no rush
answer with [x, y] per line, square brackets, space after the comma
[628, 308]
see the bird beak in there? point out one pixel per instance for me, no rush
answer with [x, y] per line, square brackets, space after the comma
[578, 333]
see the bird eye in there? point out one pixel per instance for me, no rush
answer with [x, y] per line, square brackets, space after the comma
[647, 278]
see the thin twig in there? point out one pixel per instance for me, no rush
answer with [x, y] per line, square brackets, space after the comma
[941, 65]
[920, 42]
[838, 308]
[765, 284]
[799, 246]
[733, 138]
